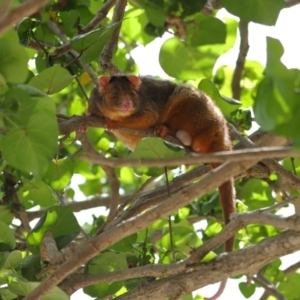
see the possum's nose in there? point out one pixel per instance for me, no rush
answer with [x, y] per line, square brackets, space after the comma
[127, 105]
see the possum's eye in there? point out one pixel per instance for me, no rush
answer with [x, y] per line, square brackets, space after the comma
[114, 93]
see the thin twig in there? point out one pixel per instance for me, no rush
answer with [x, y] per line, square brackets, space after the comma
[108, 51]
[269, 287]
[244, 46]
[101, 14]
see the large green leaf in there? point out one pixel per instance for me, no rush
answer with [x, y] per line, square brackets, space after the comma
[52, 80]
[187, 63]
[31, 149]
[260, 11]
[92, 43]
[32, 142]
[277, 104]
[105, 262]
[206, 30]
[62, 222]
[13, 58]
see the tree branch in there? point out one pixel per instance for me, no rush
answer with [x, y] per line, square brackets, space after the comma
[16, 15]
[110, 236]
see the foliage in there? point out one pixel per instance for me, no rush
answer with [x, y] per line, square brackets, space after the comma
[46, 67]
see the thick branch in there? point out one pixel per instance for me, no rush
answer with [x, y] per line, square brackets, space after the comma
[16, 15]
[226, 265]
[225, 156]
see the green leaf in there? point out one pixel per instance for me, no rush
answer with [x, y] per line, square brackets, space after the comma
[36, 192]
[6, 294]
[24, 29]
[206, 30]
[153, 148]
[126, 244]
[30, 149]
[210, 89]
[24, 288]
[133, 28]
[34, 134]
[184, 237]
[70, 22]
[246, 289]
[277, 103]
[257, 194]
[61, 221]
[190, 7]
[193, 63]
[5, 214]
[187, 63]
[13, 58]
[92, 43]
[52, 80]
[29, 266]
[290, 287]
[259, 11]
[7, 238]
[12, 260]
[154, 12]
[59, 173]
[103, 263]
[31, 91]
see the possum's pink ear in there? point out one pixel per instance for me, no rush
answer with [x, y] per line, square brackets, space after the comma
[104, 81]
[135, 80]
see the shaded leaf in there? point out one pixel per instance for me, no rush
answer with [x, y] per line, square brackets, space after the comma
[259, 11]
[13, 58]
[59, 173]
[92, 43]
[206, 30]
[61, 221]
[105, 262]
[7, 238]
